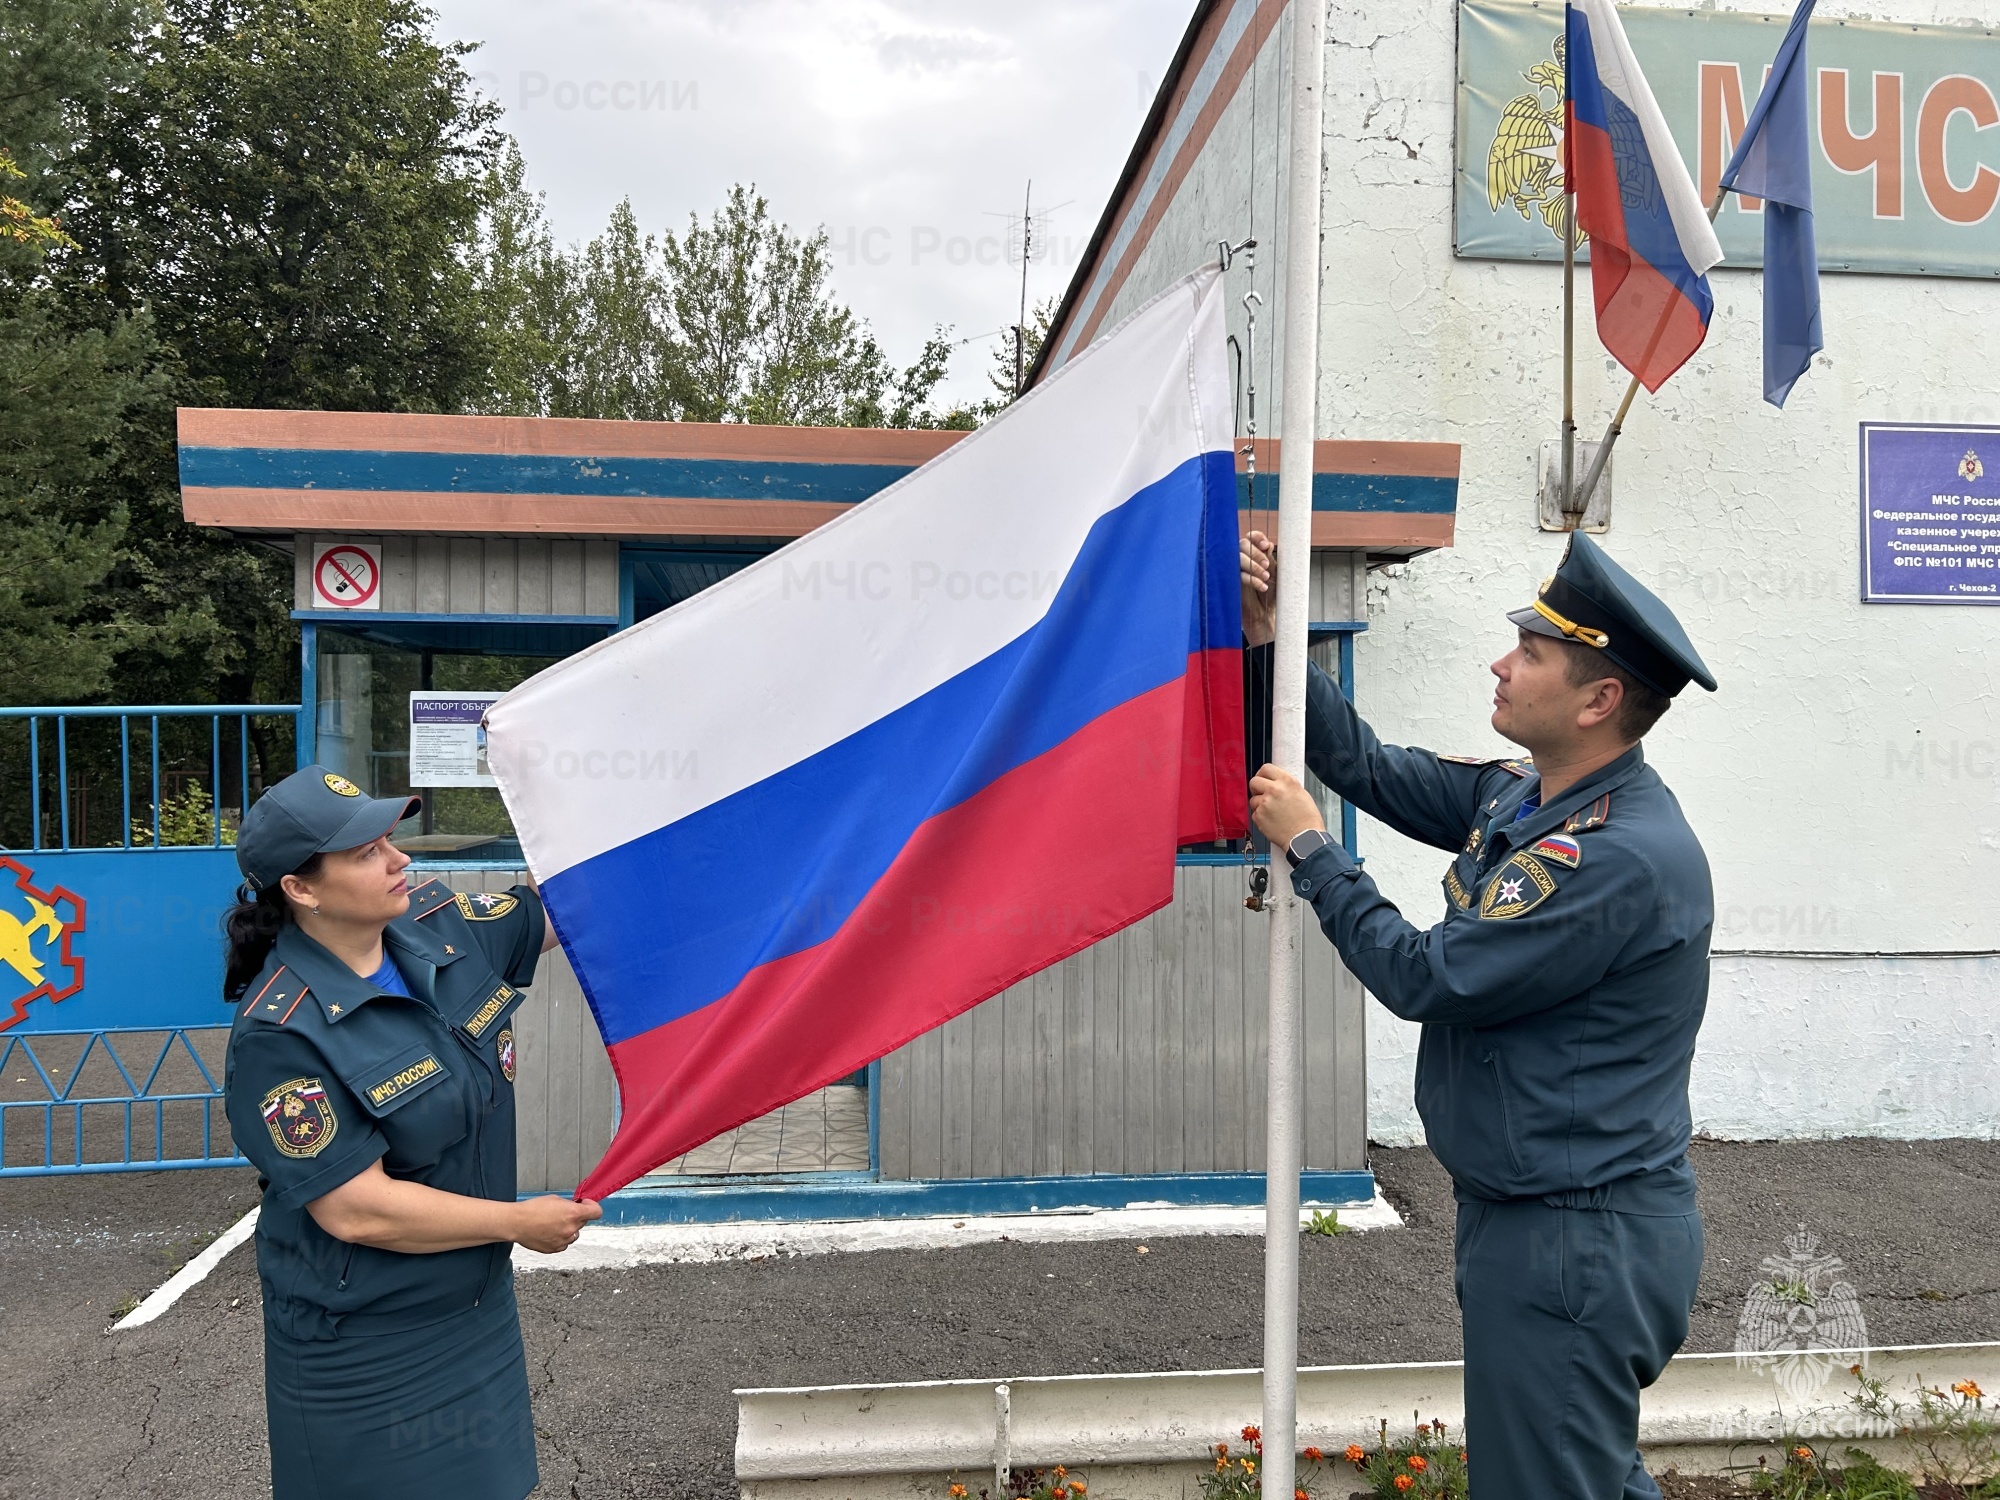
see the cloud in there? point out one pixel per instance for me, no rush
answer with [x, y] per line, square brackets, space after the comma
[909, 128]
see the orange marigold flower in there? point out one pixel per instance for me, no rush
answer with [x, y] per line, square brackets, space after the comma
[1417, 1462]
[1300, 1495]
[1221, 1464]
[1222, 1450]
[1253, 1435]
[957, 1492]
[1059, 1493]
[1313, 1455]
[1802, 1451]
[1061, 1472]
[1854, 1369]
[1969, 1389]
[1403, 1481]
[1355, 1454]
[1461, 1455]
[1078, 1487]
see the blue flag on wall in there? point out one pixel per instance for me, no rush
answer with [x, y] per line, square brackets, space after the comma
[1772, 162]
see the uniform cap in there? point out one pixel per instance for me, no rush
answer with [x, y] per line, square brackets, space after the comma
[312, 811]
[1594, 602]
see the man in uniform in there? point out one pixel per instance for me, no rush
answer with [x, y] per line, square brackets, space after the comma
[1559, 998]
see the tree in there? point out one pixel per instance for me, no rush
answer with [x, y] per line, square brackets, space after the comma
[289, 190]
[69, 392]
[733, 320]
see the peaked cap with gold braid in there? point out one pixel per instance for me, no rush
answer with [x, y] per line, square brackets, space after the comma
[1596, 603]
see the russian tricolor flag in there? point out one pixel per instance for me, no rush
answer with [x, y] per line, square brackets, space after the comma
[942, 742]
[1651, 242]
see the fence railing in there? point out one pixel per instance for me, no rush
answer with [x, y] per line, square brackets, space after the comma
[85, 1101]
[59, 747]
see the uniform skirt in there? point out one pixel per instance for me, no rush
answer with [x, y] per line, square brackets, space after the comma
[440, 1409]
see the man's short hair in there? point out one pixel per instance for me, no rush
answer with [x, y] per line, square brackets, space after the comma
[1641, 707]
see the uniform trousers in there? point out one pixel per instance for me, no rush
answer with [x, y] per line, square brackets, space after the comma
[1568, 1314]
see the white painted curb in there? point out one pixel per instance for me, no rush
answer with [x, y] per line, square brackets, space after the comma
[1701, 1407]
[190, 1275]
[619, 1247]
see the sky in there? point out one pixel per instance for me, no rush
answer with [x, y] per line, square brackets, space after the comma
[910, 129]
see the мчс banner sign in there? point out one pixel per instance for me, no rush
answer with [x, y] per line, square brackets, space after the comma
[1930, 514]
[1906, 166]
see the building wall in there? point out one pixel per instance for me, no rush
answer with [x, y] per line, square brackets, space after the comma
[480, 575]
[1844, 779]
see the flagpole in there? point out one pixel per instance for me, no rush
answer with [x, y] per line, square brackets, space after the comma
[1603, 454]
[1284, 1135]
[1569, 339]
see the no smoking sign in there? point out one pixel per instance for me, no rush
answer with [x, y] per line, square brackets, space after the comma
[348, 575]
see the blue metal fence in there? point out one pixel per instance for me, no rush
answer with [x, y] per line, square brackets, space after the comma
[62, 1112]
[38, 749]
[125, 1097]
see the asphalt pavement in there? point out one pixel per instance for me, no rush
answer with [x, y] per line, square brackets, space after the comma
[632, 1369]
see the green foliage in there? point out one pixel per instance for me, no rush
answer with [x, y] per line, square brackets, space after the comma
[184, 820]
[732, 320]
[1326, 1221]
[1427, 1465]
[1953, 1436]
[1239, 1475]
[1808, 1475]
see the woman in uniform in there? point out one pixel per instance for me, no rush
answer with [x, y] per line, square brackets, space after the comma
[371, 1080]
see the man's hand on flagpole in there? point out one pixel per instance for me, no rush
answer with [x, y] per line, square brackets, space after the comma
[1257, 561]
[1282, 808]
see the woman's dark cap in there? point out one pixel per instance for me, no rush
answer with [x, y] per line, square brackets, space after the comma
[312, 811]
[1594, 602]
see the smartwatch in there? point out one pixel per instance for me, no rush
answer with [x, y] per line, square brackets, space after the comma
[1307, 843]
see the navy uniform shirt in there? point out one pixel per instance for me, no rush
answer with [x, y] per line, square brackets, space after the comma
[326, 1074]
[1561, 994]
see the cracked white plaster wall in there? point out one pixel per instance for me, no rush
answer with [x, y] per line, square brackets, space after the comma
[1846, 779]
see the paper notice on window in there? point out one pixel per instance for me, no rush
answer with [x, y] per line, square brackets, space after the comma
[447, 740]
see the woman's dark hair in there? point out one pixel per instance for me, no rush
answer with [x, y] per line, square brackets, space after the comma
[251, 926]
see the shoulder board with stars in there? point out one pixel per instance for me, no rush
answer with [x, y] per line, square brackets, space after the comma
[432, 895]
[280, 996]
[1593, 816]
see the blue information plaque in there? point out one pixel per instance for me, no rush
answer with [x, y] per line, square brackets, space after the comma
[1930, 514]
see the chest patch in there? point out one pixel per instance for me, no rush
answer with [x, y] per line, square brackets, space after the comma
[404, 1079]
[300, 1117]
[1518, 886]
[1558, 848]
[484, 1016]
[504, 1046]
[485, 906]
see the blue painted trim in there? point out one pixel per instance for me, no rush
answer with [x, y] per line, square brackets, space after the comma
[1349, 829]
[628, 610]
[394, 617]
[802, 1201]
[533, 474]
[307, 737]
[1374, 494]
[1220, 857]
[875, 1116]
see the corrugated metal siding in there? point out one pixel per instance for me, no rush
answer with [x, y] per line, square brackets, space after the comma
[470, 575]
[1144, 1053]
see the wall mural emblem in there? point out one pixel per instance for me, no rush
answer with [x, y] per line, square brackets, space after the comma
[37, 931]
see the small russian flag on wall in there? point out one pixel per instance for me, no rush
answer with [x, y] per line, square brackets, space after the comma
[1651, 242]
[944, 741]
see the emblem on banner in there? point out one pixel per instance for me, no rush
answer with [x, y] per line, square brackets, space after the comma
[1524, 164]
[299, 1117]
[1969, 467]
[37, 931]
